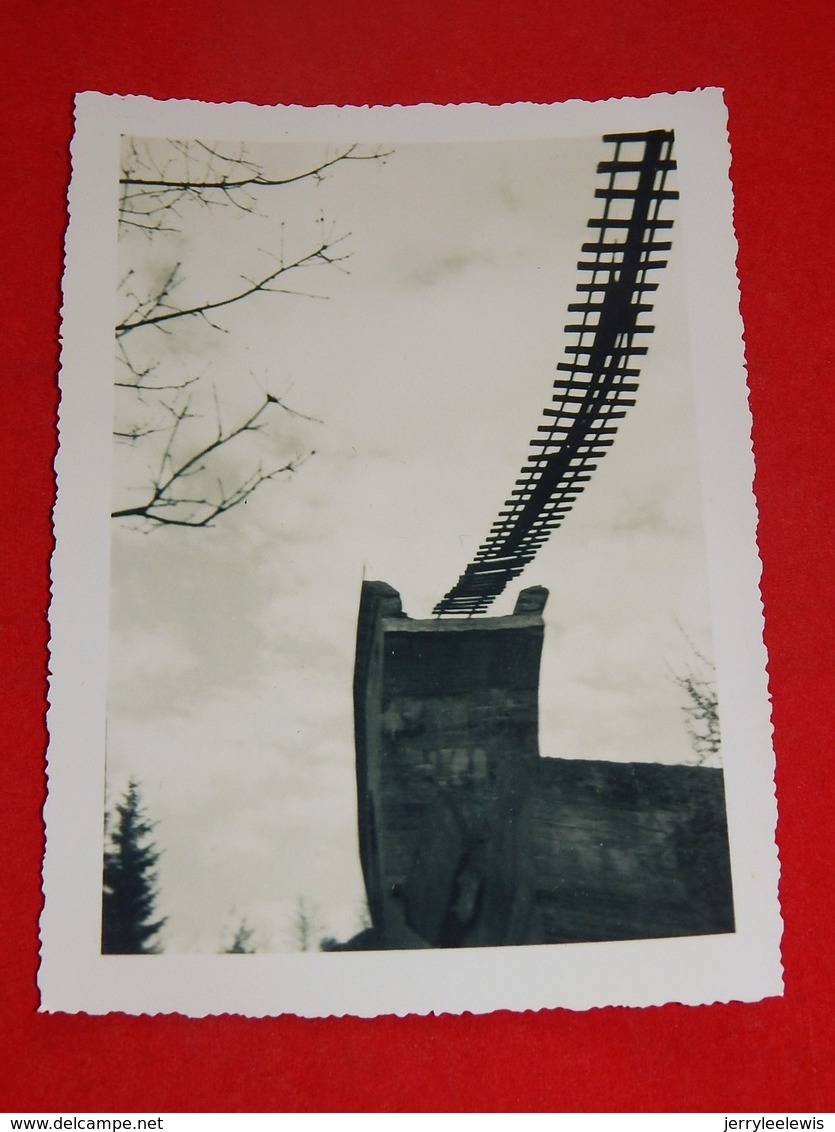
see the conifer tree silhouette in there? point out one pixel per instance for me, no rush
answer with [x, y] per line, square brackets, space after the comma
[129, 891]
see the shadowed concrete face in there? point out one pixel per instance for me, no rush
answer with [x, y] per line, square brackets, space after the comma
[468, 837]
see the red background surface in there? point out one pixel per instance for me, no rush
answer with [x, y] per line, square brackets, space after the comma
[775, 62]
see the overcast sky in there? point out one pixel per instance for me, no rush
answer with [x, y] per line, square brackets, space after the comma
[428, 364]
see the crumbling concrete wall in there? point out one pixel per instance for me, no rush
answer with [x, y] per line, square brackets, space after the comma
[625, 851]
[468, 837]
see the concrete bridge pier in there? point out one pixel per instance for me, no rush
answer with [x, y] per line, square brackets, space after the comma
[469, 838]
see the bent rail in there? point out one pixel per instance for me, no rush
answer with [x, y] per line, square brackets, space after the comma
[599, 379]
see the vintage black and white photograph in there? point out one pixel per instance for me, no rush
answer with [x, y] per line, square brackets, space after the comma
[406, 636]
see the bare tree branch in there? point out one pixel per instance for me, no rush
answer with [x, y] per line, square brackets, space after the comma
[256, 180]
[139, 377]
[166, 505]
[322, 254]
[154, 185]
[701, 705]
[189, 480]
[137, 432]
[306, 925]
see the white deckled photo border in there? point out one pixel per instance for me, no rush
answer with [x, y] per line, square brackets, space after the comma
[74, 976]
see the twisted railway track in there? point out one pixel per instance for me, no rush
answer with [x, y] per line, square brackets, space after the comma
[599, 374]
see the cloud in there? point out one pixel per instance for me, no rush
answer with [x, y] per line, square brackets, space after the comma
[148, 660]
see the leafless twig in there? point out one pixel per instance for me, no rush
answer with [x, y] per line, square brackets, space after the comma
[158, 310]
[168, 504]
[160, 406]
[156, 182]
